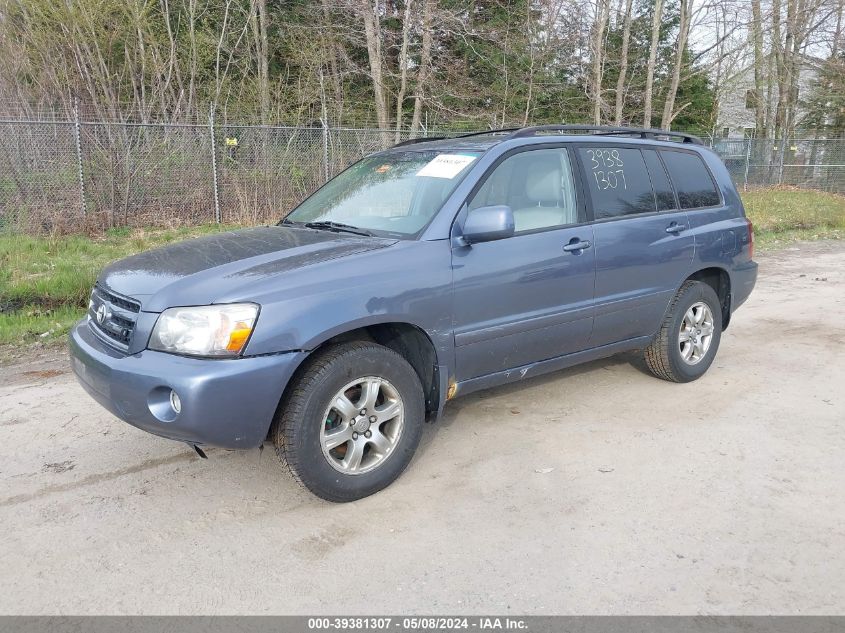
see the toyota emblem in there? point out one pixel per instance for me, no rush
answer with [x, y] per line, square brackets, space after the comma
[102, 313]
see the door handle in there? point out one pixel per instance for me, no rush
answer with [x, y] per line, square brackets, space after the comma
[675, 228]
[577, 245]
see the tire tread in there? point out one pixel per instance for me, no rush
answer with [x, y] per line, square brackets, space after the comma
[657, 353]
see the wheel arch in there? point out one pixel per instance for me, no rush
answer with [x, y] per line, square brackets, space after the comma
[409, 340]
[720, 280]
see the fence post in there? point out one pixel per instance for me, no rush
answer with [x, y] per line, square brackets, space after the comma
[782, 153]
[214, 164]
[325, 125]
[78, 138]
[747, 161]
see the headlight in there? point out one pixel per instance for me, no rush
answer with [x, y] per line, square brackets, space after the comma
[218, 330]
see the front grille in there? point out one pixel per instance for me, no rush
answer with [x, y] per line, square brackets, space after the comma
[113, 316]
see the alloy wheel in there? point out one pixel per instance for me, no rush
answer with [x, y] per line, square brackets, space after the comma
[696, 333]
[362, 425]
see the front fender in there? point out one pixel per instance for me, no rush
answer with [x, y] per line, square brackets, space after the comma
[410, 282]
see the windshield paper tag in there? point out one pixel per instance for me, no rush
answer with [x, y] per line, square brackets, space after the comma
[446, 166]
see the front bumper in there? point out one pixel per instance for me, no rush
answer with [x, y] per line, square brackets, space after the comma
[224, 403]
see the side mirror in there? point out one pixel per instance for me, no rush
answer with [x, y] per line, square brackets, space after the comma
[486, 224]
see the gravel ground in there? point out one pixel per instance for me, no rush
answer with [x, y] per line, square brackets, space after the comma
[594, 490]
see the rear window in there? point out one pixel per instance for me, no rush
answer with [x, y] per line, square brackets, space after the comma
[618, 180]
[691, 178]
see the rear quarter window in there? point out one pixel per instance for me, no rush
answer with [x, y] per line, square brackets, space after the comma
[692, 180]
[618, 181]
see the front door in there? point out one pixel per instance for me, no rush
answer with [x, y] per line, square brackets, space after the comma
[528, 297]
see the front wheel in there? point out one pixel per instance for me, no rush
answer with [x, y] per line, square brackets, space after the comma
[689, 336]
[351, 421]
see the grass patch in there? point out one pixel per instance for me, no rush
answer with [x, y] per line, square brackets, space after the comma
[31, 324]
[45, 282]
[785, 215]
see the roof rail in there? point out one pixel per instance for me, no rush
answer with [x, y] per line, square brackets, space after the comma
[420, 139]
[608, 130]
[423, 139]
[598, 130]
[510, 130]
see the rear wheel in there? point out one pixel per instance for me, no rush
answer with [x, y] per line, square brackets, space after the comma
[351, 421]
[689, 336]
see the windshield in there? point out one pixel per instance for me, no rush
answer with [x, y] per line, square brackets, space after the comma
[393, 194]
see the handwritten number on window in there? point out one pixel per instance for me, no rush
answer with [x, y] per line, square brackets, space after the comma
[608, 168]
[610, 179]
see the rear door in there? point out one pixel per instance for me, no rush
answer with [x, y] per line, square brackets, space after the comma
[643, 243]
[714, 227]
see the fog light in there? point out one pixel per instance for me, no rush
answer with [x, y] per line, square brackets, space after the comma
[175, 402]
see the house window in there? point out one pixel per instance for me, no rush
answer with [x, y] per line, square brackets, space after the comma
[750, 99]
[726, 132]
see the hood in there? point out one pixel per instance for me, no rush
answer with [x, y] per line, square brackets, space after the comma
[197, 271]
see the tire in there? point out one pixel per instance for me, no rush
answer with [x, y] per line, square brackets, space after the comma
[313, 417]
[665, 356]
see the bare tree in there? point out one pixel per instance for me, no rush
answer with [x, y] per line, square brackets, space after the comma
[403, 67]
[532, 56]
[652, 62]
[194, 56]
[791, 38]
[259, 22]
[425, 65]
[596, 51]
[173, 65]
[623, 64]
[677, 65]
[370, 14]
[836, 40]
[759, 69]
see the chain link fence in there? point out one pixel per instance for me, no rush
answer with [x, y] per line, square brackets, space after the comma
[810, 163]
[68, 176]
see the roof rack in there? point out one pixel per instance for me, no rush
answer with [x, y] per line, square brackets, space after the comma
[420, 139]
[423, 139]
[608, 130]
[503, 130]
[597, 130]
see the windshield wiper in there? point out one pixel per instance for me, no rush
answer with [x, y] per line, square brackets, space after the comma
[328, 225]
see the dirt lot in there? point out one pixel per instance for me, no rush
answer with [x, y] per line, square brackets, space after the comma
[595, 490]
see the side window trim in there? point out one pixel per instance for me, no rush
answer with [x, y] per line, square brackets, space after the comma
[677, 207]
[721, 203]
[582, 173]
[580, 193]
[651, 180]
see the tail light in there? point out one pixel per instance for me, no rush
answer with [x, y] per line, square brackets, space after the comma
[750, 238]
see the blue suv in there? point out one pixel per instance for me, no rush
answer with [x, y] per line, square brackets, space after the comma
[421, 273]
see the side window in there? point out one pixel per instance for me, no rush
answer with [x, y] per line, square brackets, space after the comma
[537, 185]
[618, 181]
[691, 178]
[659, 181]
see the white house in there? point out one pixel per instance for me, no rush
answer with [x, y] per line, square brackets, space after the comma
[736, 106]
